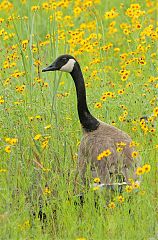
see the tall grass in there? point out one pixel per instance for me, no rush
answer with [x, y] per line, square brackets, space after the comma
[37, 171]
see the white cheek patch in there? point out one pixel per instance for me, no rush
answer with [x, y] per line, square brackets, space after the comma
[68, 67]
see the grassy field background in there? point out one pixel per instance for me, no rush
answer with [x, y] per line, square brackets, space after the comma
[116, 44]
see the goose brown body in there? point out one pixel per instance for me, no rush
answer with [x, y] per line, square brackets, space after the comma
[106, 137]
[97, 136]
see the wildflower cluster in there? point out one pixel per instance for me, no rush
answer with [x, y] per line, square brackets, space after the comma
[44, 140]
[1, 99]
[111, 14]
[46, 191]
[133, 185]
[145, 169]
[120, 146]
[124, 74]
[135, 12]
[104, 154]
[139, 171]
[11, 142]
[107, 95]
[118, 200]
[3, 170]
[37, 117]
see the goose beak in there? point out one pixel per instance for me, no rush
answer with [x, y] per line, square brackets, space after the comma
[51, 67]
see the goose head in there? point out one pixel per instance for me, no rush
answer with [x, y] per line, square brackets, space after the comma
[63, 63]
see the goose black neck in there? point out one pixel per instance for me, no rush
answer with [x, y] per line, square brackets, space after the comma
[88, 122]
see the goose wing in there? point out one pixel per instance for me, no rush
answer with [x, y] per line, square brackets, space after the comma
[111, 164]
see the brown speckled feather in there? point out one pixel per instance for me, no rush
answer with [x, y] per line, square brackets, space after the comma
[117, 163]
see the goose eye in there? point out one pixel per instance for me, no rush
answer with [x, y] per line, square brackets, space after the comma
[65, 59]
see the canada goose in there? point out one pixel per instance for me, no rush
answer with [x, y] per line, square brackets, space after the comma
[99, 145]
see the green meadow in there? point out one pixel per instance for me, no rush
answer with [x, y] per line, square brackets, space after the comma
[115, 43]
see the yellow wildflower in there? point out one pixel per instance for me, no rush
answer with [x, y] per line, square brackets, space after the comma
[1, 100]
[45, 84]
[20, 89]
[95, 188]
[100, 156]
[38, 117]
[111, 205]
[25, 225]
[7, 149]
[37, 137]
[77, 11]
[131, 181]
[46, 191]
[133, 144]
[97, 180]
[48, 126]
[121, 144]
[13, 141]
[155, 111]
[121, 91]
[35, 8]
[98, 105]
[122, 118]
[111, 14]
[140, 171]
[61, 83]
[128, 188]
[105, 153]
[1, 20]
[44, 144]
[134, 154]
[31, 119]
[46, 169]
[135, 185]
[146, 168]
[119, 149]
[3, 170]
[120, 199]
[103, 98]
